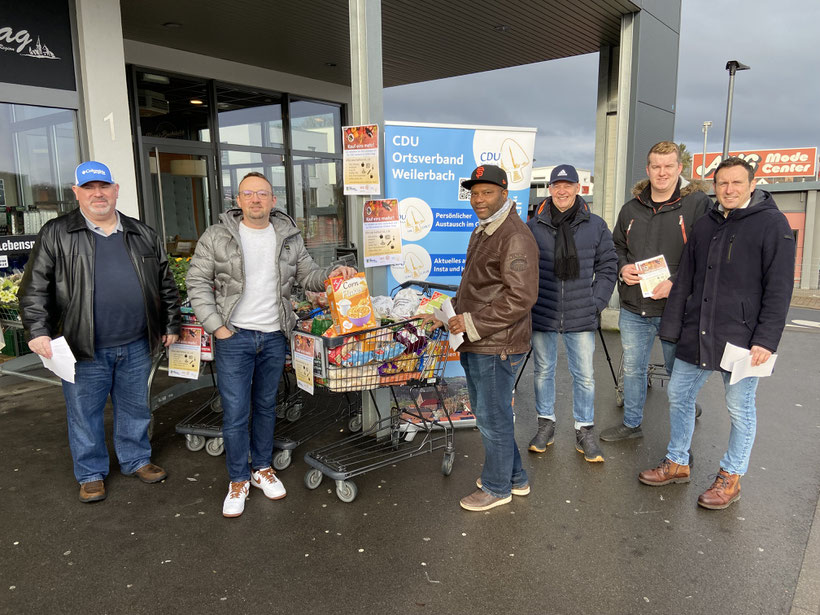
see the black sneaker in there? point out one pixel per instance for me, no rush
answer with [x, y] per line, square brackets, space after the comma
[585, 443]
[544, 436]
[621, 432]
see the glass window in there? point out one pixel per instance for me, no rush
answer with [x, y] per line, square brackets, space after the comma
[39, 150]
[249, 118]
[172, 107]
[319, 206]
[315, 126]
[237, 164]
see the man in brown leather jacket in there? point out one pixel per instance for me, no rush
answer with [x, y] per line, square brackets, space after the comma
[498, 288]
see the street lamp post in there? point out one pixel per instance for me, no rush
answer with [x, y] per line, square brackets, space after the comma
[703, 162]
[732, 66]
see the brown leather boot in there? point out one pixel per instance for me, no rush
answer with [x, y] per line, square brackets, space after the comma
[724, 491]
[667, 472]
[92, 492]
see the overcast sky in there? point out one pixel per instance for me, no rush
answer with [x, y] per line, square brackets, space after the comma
[776, 103]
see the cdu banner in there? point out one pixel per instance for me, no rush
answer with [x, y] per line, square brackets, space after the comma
[424, 167]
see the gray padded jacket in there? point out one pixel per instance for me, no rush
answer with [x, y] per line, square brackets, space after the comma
[216, 278]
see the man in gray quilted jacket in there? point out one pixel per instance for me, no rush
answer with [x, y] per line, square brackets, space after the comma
[239, 285]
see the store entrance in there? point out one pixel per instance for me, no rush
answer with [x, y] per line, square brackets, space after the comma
[180, 197]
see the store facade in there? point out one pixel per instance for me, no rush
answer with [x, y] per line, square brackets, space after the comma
[179, 130]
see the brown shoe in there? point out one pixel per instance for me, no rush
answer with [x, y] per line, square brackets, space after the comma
[667, 472]
[480, 500]
[724, 491]
[93, 491]
[150, 473]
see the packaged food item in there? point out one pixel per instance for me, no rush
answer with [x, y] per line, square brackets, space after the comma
[427, 304]
[405, 304]
[412, 339]
[316, 299]
[383, 306]
[352, 378]
[350, 303]
[321, 324]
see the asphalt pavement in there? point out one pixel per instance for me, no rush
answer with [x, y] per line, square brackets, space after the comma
[589, 538]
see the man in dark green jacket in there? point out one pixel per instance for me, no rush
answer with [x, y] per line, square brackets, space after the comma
[656, 222]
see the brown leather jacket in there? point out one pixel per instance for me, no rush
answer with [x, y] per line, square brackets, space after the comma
[498, 287]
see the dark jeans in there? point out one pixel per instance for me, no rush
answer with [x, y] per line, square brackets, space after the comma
[490, 381]
[121, 372]
[249, 366]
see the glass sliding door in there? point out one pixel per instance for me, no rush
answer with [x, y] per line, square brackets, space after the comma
[181, 195]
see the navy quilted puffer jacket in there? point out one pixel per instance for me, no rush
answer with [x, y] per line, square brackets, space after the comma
[573, 305]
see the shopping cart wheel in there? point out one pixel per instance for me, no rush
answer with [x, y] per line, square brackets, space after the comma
[698, 410]
[313, 478]
[346, 490]
[447, 463]
[215, 446]
[355, 423]
[194, 443]
[281, 460]
[294, 412]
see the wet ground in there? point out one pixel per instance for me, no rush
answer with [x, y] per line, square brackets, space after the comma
[589, 539]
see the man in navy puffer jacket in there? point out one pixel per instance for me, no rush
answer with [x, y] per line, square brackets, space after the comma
[578, 268]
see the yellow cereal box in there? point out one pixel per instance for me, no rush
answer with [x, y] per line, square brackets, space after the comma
[350, 303]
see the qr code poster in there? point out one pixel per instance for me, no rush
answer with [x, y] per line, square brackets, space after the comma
[463, 193]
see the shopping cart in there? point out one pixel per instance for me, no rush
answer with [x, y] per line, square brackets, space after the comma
[398, 357]
[202, 428]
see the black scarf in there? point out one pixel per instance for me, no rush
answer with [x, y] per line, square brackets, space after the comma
[566, 256]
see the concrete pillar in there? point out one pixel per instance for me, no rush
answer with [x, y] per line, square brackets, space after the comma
[367, 108]
[104, 95]
[637, 88]
[811, 248]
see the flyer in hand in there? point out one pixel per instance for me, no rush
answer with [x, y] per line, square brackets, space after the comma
[652, 271]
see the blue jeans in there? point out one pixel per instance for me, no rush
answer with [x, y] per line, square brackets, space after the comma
[249, 366]
[490, 381]
[121, 372]
[580, 348]
[686, 381]
[637, 338]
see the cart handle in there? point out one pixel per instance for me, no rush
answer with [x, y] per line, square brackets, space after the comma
[425, 286]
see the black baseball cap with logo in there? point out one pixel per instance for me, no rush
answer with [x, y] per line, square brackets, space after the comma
[487, 174]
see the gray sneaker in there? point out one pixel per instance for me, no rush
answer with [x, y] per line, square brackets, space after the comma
[544, 436]
[585, 443]
[621, 432]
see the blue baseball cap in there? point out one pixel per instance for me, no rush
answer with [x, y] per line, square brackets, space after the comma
[564, 173]
[92, 171]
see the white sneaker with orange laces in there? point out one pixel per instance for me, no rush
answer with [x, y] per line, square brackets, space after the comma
[234, 504]
[265, 479]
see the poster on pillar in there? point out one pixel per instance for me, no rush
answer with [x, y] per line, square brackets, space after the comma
[424, 167]
[361, 160]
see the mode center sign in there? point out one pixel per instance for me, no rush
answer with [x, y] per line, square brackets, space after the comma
[768, 163]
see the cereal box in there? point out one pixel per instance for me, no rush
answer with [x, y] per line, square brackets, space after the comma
[350, 303]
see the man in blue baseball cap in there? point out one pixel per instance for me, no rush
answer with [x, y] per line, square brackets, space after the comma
[101, 279]
[577, 268]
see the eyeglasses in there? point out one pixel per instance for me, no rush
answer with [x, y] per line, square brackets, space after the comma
[262, 194]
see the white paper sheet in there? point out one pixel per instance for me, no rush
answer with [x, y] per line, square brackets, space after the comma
[62, 360]
[444, 315]
[739, 361]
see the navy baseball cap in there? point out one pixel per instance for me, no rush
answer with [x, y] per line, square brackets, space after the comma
[564, 173]
[92, 171]
[487, 174]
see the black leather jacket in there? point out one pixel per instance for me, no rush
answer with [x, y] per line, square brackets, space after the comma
[57, 290]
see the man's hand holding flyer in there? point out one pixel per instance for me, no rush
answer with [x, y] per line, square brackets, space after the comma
[652, 271]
